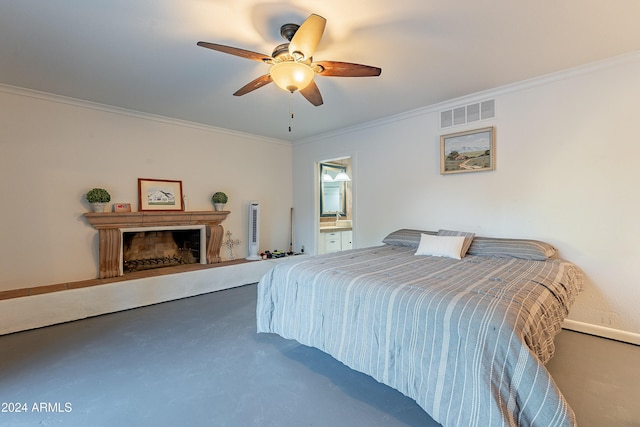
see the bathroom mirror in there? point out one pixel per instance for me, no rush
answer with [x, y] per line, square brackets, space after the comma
[332, 193]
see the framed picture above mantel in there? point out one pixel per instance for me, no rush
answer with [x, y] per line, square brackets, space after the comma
[159, 195]
[469, 151]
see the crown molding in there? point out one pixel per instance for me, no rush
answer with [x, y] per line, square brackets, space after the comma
[483, 95]
[50, 97]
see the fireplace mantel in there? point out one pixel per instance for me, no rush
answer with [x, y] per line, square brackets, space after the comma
[109, 226]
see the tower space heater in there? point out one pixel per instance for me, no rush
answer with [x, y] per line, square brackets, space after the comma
[254, 231]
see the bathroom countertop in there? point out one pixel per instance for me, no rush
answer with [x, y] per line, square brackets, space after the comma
[333, 228]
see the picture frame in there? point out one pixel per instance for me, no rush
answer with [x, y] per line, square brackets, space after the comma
[159, 195]
[468, 151]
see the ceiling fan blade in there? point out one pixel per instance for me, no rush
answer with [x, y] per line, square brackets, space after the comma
[347, 69]
[306, 39]
[312, 94]
[253, 85]
[255, 56]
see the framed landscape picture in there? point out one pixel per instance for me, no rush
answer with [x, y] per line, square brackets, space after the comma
[159, 195]
[469, 151]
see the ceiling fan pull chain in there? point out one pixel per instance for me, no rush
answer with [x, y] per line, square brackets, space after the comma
[290, 110]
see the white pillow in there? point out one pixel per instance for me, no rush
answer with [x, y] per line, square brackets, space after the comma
[441, 246]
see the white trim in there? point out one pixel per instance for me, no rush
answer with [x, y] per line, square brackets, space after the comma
[15, 90]
[450, 103]
[602, 331]
[492, 93]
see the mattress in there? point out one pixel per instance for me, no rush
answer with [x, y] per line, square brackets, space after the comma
[467, 339]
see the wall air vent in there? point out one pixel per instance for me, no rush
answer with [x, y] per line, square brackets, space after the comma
[468, 113]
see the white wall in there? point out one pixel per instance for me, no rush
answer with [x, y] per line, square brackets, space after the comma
[567, 173]
[52, 150]
[566, 147]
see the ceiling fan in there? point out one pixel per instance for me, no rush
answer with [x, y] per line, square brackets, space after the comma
[292, 65]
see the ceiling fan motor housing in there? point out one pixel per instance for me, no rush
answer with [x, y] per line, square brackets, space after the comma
[280, 50]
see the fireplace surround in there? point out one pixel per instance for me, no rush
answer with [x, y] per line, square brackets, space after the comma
[112, 225]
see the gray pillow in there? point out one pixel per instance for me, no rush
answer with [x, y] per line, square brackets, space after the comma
[405, 237]
[484, 246]
[512, 248]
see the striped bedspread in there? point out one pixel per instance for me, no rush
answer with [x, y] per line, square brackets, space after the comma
[467, 339]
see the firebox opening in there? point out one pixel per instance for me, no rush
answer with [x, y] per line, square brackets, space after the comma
[146, 249]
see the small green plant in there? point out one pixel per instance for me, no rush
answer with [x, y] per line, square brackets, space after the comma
[219, 197]
[98, 195]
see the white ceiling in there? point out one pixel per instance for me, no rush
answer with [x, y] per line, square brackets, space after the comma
[141, 54]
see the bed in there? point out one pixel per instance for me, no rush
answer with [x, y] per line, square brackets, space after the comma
[466, 338]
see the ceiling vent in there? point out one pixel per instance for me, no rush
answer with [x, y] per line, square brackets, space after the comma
[468, 113]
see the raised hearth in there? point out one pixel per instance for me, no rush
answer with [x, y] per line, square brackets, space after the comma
[111, 225]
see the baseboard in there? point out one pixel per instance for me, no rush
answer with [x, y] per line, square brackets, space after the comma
[602, 331]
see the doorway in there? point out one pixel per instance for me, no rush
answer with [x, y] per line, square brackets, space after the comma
[335, 210]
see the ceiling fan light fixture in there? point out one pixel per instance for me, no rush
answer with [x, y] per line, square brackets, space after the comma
[291, 76]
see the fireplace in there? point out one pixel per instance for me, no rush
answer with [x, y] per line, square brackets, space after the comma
[157, 247]
[113, 228]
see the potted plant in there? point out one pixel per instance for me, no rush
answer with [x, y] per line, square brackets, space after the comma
[219, 199]
[98, 199]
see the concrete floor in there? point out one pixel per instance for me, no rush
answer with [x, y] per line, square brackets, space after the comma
[600, 379]
[199, 362]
